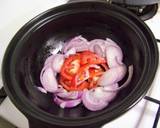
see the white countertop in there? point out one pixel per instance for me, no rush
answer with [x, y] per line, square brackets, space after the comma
[14, 14]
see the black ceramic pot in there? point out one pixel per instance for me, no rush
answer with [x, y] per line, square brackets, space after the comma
[29, 48]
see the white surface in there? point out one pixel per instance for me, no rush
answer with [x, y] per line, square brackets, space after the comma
[12, 114]
[14, 14]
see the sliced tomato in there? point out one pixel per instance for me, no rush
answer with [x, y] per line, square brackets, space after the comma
[82, 75]
[94, 76]
[95, 72]
[88, 57]
[94, 79]
[82, 70]
[70, 66]
[68, 85]
[82, 86]
[85, 72]
[65, 83]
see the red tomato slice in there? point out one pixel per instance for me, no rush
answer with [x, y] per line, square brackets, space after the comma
[82, 86]
[88, 57]
[82, 70]
[65, 83]
[70, 67]
[68, 86]
[85, 72]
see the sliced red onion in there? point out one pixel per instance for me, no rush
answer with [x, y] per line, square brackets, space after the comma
[71, 51]
[130, 74]
[114, 56]
[59, 90]
[91, 102]
[69, 95]
[112, 75]
[110, 42]
[78, 42]
[97, 98]
[57, 62]
[82, 48]
[98, 50]
[42, 90]
[48, 79]
[101, 93]
[43, 70]
[49, 60]
[111, 87]
[66, 103]
[97, 46]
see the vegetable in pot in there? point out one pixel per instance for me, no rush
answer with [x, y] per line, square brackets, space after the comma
[85, 72]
